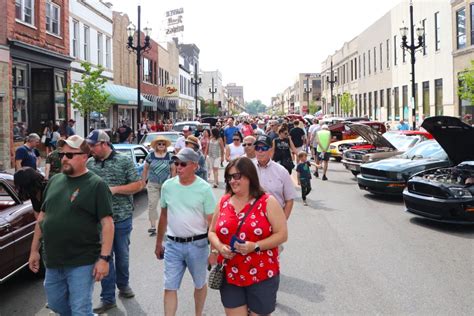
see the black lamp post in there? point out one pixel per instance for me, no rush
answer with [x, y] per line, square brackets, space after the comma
[140, 49]
[307, 90]
[212, 90]
[331, 82]
[412, 48]
[196, 81]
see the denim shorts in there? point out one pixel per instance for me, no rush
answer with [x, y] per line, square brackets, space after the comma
[179, 256]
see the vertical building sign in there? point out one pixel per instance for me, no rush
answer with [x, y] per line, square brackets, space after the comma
[174, 21]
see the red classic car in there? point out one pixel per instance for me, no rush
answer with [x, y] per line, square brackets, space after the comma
[341, 130]
[17, 223]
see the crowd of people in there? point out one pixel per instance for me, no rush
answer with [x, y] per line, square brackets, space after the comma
[84, 206]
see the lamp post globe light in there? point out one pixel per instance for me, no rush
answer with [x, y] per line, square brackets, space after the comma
[307, 90]
[196, 81]
[331, 82]
[139, 49]
[412, 48]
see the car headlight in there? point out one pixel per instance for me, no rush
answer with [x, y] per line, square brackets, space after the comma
[399, 176]
[460, 193]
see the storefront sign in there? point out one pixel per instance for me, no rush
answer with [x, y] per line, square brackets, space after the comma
[174, 20]
[171, 91]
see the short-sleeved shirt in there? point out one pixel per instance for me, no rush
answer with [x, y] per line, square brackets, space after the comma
[26, 155]
[180, 143]
[73, 209]
[229, 133]
[297, 134]
[276, 181]
[124, 133]
[159, 170]
[188, 206]
[255, 266]
[304, 171]
[116, 170]
[55, 163]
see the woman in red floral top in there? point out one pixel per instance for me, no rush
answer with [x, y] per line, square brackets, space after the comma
[252, 270]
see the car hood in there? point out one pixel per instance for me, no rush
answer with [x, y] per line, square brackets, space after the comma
[402, 164]
[456, 137]
[370, 135]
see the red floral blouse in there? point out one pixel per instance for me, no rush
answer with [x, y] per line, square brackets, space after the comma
[255, 266]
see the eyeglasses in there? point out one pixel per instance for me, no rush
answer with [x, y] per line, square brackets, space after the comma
[245, 144]
[236, 139]
[181, 163]
[160, 144]
[69, 155]
[235, 176]
[262, 148]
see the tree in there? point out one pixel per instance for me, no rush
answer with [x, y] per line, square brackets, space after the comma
[211, 108]
[255, 107]
[89, 95]
[466, 84]
[347, 104]
[312, 108]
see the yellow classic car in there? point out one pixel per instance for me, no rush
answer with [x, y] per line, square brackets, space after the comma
[337, 148]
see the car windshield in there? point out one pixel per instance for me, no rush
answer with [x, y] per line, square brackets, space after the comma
[172, 137]
[179, 127]
[428, 149]
[126, 152]
[401, 142]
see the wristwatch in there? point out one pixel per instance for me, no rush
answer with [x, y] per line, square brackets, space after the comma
[105, 258]
[257, 248]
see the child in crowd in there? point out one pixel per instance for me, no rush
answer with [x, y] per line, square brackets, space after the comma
[304, 174]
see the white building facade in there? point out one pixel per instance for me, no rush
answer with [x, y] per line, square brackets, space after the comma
[376, 72]
[90, 29]
[186, 92]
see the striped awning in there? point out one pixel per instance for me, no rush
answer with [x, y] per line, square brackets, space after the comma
[125, 95]
[153, 99]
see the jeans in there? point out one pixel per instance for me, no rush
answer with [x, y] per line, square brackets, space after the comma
[69, 290]
[119, 263]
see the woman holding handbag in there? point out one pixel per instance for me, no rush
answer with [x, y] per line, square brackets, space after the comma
[246, 230]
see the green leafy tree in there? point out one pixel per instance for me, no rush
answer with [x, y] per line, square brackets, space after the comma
[255, 107]
[312, 108]
[466, 86]
[211, 108]
[347, 104]
[89, 95]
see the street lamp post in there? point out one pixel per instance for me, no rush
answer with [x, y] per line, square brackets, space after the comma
[140, 49]
[331, 82]
[307, 90]
[412, 48]
[212, 90]
[196, 81]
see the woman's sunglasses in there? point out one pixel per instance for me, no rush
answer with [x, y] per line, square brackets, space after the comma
[181, 163]
[235, 176]
[236, 139]
[69, 155]
[160, 144]
[262, 148]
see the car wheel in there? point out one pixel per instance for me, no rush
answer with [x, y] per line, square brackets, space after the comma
[338, 159]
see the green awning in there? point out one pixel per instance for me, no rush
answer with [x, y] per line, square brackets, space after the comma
[126, 96]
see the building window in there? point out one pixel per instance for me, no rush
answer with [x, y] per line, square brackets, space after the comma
[423, 24]
[388, 53]
[381, 56]
[375, 60]
[352, 70]
[20, 102]
[75, 38]
[438, 96]
[155, 75]
[60, 95]
[389, 104]
[404, 55]
[426, 98]
[368, 61]
[437, 26]
[167, 77]
[147, 73]
[24, 11]
[108, 53]
[355, 68]
[86, 42]
[461, 28]
[376, 110]
[52, 18]
[360, 68]
[395, 50]
[381, 99]
[396, 103]
[161, 78]
[364, 64]
[404, 101]
[100, 49]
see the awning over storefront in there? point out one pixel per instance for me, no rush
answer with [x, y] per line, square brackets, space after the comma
[125, 95]
[173, 105]
[152, 98]
[162, 107]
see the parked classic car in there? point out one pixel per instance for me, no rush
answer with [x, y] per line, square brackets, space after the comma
[17, 223]
[341, 130]
[178, 126]
[389, 176]
[136, 152]
[336, 149]
[171, 136]
[388, 145]
[446, 194]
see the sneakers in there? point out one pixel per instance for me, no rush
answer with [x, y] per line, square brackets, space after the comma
[305, 203]
[152, 230]
[324, 177]
[126, 292]
[316, 174]
[103, 307]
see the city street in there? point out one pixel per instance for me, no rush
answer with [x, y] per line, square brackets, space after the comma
[348, 252]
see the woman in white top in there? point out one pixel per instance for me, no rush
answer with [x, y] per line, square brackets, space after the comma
[234, 149]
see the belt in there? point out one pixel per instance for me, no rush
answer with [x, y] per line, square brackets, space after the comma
[187, 239]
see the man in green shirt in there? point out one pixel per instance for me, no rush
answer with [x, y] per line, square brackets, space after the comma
[75, 213]
[120, 174]
[323, 138]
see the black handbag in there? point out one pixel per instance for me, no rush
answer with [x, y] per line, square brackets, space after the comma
[217, 274]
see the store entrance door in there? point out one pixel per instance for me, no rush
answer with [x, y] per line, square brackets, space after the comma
[42, 97]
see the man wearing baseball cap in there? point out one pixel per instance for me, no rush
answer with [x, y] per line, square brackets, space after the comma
[273, 177]
[180, 142]
[187, 206]
[75, 202]
[119, 172]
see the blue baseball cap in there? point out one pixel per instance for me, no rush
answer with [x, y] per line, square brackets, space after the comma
[98, 136]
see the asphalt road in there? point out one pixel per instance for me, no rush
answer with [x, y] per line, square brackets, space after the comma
[348, 252]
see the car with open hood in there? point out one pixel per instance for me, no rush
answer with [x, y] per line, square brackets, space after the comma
[385, 146]
[389, 176]
[341, 130]
[446, 194]
[336, 149]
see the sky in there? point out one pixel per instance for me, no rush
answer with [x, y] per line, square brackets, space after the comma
[262, 44]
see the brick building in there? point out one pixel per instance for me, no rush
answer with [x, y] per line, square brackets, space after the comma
[34, 63]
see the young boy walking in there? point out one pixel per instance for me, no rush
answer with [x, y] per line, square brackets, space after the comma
[304, 174]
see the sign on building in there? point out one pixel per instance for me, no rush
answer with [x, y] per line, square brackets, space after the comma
[171, 91]
[174, 21]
